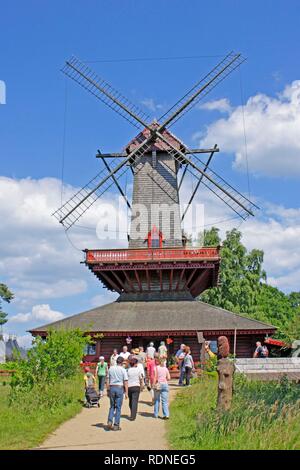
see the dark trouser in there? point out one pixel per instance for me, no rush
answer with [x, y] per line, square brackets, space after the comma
[133, 395]
[101, 382]
[182, 374]
[188, 373]
[116, 400]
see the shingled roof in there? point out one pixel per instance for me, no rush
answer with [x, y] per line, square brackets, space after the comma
[157, 316]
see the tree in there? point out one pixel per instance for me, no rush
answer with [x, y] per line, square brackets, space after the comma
[240, 274]
[212, 237]
[7, 296]
[243, 286]
[50, 360]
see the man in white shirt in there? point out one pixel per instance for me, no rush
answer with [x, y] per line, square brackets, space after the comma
[125, 353]
[114, 357]
[151, 351]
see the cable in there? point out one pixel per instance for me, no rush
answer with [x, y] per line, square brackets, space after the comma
[244, 128]
[193, 226]
[216, 222]
[63, 158]
[64, 142]
[71, 243]
[149, 59]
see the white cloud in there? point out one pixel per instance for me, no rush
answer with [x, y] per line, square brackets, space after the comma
[272, 132]
[276, 231]
[222, 105]
[150, 104]
[25, 341]
[37, 260]
[40, 313]
[38, 263]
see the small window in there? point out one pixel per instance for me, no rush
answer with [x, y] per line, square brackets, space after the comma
[213, 346]
[90, 350]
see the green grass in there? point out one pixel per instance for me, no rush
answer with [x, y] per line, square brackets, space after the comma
[26, 420]
[263, 416]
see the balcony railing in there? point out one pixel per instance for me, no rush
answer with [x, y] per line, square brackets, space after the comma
[152, 254]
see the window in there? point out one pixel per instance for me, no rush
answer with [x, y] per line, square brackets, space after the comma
[90, 350]
[213, 346]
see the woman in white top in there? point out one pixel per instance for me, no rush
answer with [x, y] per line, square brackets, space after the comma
[135, 385]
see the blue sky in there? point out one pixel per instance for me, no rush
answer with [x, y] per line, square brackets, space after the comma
[35, 39]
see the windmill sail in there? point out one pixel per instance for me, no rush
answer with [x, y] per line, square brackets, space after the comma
[215, 183]
[85, 77]
[78, 204]
[81, 201]
[202, 88]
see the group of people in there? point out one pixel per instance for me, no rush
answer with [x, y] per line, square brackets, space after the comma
[261, 351]
[186, 364]
[127, 374]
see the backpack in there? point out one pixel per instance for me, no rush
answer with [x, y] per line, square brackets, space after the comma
[265, 351]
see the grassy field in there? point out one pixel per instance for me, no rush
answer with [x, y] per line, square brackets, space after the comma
[263, 416]
[31, 416]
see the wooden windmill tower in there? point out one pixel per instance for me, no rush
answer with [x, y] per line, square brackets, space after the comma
[156, 265]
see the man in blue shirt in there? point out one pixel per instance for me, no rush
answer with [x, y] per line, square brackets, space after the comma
[179, 359]
[117, 385]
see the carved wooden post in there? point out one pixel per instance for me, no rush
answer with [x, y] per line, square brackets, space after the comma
[225, 369]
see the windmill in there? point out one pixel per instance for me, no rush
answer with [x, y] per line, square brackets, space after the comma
[154, 157]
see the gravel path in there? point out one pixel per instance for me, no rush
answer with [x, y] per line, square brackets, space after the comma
[87, 430]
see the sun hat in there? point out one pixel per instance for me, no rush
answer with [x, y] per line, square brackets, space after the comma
[101, 358]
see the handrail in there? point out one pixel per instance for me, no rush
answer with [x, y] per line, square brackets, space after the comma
[149, 254]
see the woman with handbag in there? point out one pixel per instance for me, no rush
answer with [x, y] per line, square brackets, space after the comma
[161, 388]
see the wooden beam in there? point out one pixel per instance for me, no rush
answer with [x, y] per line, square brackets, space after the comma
[160, 280]
[129, 281]
[215, 149]
[124, 154]
[111, 282]
[110, 155]
[180, 279]
[199, 182]
[117, 183]
[171, 279]
[138, 280]
[201, 279]
[121, 283]
[148, 279]
[189, 279]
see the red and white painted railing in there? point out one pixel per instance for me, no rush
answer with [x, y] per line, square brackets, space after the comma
[149, 254]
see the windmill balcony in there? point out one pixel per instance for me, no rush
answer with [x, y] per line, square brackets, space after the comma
[156, 273]
[152, 254]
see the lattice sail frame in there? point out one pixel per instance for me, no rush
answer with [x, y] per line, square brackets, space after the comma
[77, 205]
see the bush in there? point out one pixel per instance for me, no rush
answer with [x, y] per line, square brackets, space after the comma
[46, 389]
[211, 364]
[50, 360]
